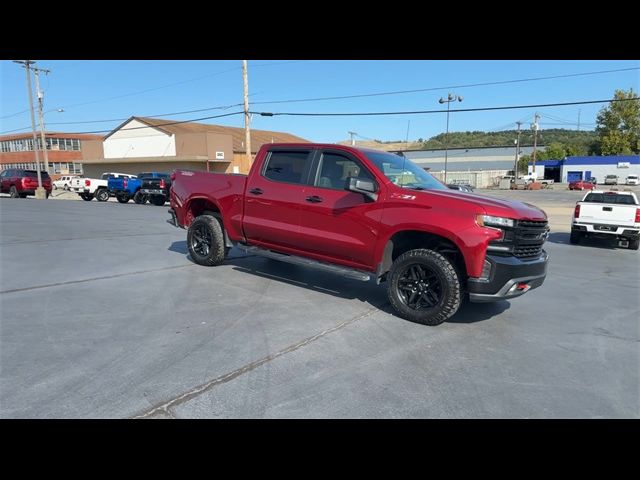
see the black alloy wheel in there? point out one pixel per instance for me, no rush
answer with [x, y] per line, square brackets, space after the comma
[201, 240]
[419, 287]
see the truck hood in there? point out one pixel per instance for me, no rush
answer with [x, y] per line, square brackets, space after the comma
[491, 205]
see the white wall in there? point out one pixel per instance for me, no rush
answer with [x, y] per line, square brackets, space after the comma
[141, 142]
[601, 171]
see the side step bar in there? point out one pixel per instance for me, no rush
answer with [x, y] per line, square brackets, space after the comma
[306, 262]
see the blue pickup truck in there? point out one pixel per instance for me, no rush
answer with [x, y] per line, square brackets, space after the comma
[124, 189]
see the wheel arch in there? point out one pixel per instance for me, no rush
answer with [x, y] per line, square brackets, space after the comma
[403, 240]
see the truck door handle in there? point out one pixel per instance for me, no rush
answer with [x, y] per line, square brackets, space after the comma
[314, 199]
[607, 209]
[256, 191]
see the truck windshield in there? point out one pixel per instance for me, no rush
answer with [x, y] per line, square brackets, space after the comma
[403, 172]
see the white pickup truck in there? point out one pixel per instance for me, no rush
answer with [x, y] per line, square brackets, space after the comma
[88, 188]
[533, 178]
[605, 215]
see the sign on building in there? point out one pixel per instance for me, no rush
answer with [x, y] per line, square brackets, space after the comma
[219, 155]
[624, 164]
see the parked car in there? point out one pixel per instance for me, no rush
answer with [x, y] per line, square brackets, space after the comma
[63, 182]
[593, 180]
[605, 215]
[632, 180]
[461, 187]
[20, 183]
[362, 214]
[157, 188]
[88, 188]
[125, 188]
[611, 180]
[581, 185]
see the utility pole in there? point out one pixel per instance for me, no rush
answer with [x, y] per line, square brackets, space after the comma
[353, 142]
[448, 100]
[534, 127]
[247, 118]
[40, 192]
[515, 167]
[40, 94]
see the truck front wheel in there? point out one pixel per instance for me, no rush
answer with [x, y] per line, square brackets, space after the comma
[206, 241]
[424, 287]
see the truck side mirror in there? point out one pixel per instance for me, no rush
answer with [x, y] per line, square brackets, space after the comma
[366, 187]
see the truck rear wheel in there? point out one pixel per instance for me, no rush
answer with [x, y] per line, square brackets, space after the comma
[634, 244]
[424, 287]
[102, 195]
[139, 198]
[87, 197]
[13, 192]
[158, 200]
[574, 238]
[122, 198]
[206, 241]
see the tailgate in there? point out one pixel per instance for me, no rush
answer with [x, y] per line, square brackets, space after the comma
[608, 214]
[115, 184]
[151, 183]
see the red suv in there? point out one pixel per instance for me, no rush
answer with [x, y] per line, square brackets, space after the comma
[19, 183]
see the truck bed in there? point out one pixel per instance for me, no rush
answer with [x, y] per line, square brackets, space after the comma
[193, 192]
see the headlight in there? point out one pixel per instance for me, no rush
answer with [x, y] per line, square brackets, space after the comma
[491, 221]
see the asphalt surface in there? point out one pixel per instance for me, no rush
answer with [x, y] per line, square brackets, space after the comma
[103, 315]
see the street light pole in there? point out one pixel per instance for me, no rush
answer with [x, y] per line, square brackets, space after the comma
[40, 192]
[450, 98]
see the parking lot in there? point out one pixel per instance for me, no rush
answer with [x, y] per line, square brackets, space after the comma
[104, 315]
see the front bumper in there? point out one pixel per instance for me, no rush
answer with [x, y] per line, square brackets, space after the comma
[510, 277]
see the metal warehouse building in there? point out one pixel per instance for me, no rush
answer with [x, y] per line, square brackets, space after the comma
[571, 169]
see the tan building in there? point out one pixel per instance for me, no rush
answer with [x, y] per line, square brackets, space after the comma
[143, 144]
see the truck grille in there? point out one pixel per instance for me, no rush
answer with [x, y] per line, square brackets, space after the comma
[529, 237]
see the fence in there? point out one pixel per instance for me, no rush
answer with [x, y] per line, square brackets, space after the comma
[477, 179]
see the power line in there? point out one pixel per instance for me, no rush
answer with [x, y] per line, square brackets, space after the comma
[469, 85]
[417, 112]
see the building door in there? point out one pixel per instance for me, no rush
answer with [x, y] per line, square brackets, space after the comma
[587, 175]
[574, 176]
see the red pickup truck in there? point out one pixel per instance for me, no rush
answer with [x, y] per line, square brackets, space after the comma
[365, 213]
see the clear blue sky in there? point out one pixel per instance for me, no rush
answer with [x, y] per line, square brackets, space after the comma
[84, 89]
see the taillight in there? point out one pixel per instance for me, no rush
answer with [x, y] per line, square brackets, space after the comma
[125, 182]
[162, 184]
[576, 212]
[637, 220]
[87, 183]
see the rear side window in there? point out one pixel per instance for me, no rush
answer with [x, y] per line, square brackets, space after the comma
[34, 174]
[288, 167]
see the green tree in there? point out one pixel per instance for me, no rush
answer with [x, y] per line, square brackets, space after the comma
[618, 125]
[553, 151]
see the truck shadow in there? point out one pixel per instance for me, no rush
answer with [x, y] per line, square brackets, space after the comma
[334, 285]
[562, 238]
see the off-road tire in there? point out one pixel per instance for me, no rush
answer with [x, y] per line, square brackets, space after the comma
[13, 192]
[123, 198]
[215, 254]
[436, 265]
[634, 244]
[87, 197]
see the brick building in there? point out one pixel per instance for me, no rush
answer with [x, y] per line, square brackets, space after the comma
[63, 149]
